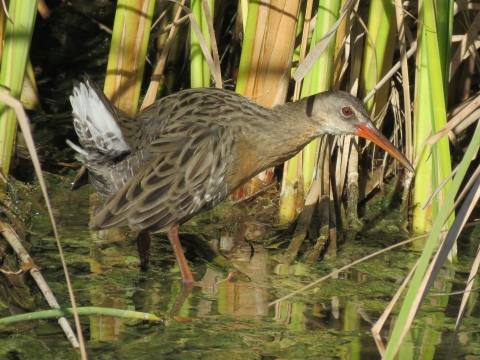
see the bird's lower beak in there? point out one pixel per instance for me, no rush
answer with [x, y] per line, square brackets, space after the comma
[370, 132]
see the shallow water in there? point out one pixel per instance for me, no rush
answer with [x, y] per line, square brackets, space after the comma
[216, 318]
[222, 319]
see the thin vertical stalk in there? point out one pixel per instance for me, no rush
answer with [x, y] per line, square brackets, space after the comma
[199, 69]
[126, 61]
[244, 7]
[406, 80]
[430, 116]
[165, 43]
[266, 60]
[445, 29]
[318, 79]
[30, 98]
[292, 177]
[377, 60]
[16, 47]
[378, 53]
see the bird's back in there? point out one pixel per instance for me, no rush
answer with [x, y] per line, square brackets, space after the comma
[175, 164]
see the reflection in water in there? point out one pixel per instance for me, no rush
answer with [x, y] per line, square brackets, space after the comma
[240, 298]
[229, 315]
[214, 297]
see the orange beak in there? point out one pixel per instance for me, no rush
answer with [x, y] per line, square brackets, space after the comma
[370, 132]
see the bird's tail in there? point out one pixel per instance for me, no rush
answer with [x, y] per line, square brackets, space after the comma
[95, 122]
[102, 142]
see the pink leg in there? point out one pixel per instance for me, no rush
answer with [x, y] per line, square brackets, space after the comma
[187, 276]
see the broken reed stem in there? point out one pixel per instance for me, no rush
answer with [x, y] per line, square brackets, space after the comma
[151, 94]
[28, 264]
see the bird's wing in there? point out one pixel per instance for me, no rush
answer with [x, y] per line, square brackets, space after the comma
[185, 176]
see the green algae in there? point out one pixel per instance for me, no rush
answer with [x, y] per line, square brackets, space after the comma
[218, 318]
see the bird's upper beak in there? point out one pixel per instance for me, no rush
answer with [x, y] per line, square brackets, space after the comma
[370, 132]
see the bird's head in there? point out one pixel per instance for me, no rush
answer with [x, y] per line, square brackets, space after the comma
[339, 113]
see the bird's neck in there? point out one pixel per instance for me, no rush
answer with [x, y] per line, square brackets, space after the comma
[293, 130]
[286, 131]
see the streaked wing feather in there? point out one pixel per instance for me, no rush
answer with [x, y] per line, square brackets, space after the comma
[185, 177]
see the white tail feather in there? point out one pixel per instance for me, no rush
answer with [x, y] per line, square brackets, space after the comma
[95, 124]
[77, 148]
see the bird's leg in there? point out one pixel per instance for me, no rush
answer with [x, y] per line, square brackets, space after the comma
[143, 245]
[187, 276]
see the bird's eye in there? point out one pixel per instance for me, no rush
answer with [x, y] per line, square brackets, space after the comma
[347, 111]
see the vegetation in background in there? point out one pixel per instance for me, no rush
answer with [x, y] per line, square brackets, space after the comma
[356, 59]
[17, 35]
